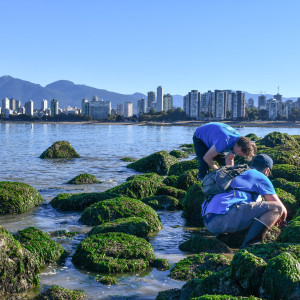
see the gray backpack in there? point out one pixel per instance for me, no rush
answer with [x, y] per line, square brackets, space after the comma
[218, 181]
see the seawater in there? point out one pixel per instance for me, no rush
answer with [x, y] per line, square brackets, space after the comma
[101, 148]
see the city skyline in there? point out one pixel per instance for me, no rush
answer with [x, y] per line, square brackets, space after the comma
[196, 44]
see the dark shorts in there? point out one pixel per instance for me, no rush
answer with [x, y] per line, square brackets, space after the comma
[238, 218]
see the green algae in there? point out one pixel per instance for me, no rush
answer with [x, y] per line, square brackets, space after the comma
[289, 202]
[106, 279]
[60, 149]
[59, 293]
[291, 233]
[84, 178]
[179, 168]
[162, 202]
[288, 172]
[187, 179]
[161, 264]
[170, 191]
[171, 294]
[252, 137]
[288, 186]
[179, 154]
[274, 139]
[171, 180]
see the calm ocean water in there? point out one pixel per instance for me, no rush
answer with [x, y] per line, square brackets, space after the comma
[101, 147]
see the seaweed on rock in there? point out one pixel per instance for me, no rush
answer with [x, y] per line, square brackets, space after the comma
[57, 292]
[60, 149]
[84, 178]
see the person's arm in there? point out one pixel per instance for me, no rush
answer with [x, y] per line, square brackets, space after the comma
[274, 197]
[209, 156]
[229, 159]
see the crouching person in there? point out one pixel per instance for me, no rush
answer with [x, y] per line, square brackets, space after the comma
[242, 207]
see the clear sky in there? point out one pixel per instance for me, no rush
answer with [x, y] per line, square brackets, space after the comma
[129, 46]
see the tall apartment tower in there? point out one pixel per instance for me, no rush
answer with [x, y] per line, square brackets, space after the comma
[12, 104]
[54, 107]
[278, 97]
[5, 104]
[44, 105]
[262, 102]
[250, 103]
[241, 104]
[142, 106]
[85, 107]
[29, 108]
[151, 99]
[159, 102]
[120, 109]
[220, 97]
[128, 110]
[191, 104]
[99, 109]
[168, 102]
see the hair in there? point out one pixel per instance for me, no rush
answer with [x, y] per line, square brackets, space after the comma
[247, 146]
[259, 166]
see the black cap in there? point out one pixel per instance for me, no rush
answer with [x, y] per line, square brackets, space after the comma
[262, 160]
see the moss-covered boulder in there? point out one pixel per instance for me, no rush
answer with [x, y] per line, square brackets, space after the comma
[84, 178]
[179, 154]
[225, 297]
[291, 233]
[128, 159]
[106, 279]
[171, 180]
[161, 264]
[189, 148]
[17, 197]
[41, 245]
[78, 202]
[121, 207]
[288, 172]
[187, 179]
[162, 202]
[114, 252]
[288, 186]
[274, 139]
[247, 270]
[192, 202]
[60, 149]
[170, 191]
[289, 202]
[138, 187]
[18, 266]
[58, 293]
[281, 279]
[252, 137]
[133, 225]
[180, 167]
[171, 294]
[199, 266]
[159, 162]
[198, 243]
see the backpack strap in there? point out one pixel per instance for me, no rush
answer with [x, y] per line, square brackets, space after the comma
[205, 203]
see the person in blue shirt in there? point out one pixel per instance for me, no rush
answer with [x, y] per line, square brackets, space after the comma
[243, 207]
[213, 139]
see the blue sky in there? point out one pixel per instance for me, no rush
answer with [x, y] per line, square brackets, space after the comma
[129, 46]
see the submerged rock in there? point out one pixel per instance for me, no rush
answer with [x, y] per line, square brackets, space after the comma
[18, 266]
[107, 279]
[159, 162]
[122, 207]
[84, 178]
[161, 264]
[114, 252]
[17, 197]
[60, 149]
[162, 202]
[179, 154]
[58, 293]
[180, 167]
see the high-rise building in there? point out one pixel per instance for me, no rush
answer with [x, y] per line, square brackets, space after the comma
[120, 109]
[151, 99]
[278, 97]
[191, 104]
[99, 109]
[18, 104]
[220, 97]
[159, 102]
[250, 103]
[54, 107]
[29, 108]
[128, 110]
[85, 107]
[44, 105]
[142, 106]
[272, 108]
[262, 102]
[5, 104]
[207, 104]
[12, 104]
[241, 104]
[167, 102]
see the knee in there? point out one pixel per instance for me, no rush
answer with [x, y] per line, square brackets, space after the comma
[276, 208]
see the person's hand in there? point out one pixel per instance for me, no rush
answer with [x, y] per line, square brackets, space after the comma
[281, 223]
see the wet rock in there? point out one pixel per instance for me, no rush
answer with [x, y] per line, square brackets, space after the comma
[225, 297]
[121, 207]
[247, 270]
[179, 154]
[291, 233]
[252, 137]
[60, 149]
[172, 294]
[288, 186]
[161, 264]
[114, 252]
[58, 293]
[281, 280]
[189, 148]
[159, 162]
[288, 172]
[170, 191]
[187, 179]
[78, 202]
[17, 197]
[107, 279]
[199, 243]
[171, 180]
[289, 202]
[84, 178]
[18, 266]
[63, 234]
[274, 139]
[133, 225]
[162, 202]
[41, 245]
[192, 202]
[128, 159]
[199, 266]
[180, 167]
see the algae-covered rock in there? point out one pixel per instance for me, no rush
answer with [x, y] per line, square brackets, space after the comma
[180, 167]
[252, 137]
[60, 149]
[179, 154]
[122, 207]
[187, 179]
[59, 293]
[281, 279]
[159, 162]
[41, 245]
[189, 148]
[171, 180]
[225, 297]
[114, 252]
[288, 186]
[291, 233]
[84, 178]
[199, 266]
[17, 197]
[288, 172]
[138, 187]
[162, 202]
[192, 202]
[133, 225]
[170, 191]
[274, 139]
[161, 264]
[77, 202]
[171, 294]
[18, 267]
[106, 279]
[246, 270]
[199, 243]
[128, 159]
[289, 202]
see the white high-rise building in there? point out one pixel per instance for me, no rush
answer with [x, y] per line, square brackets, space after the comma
[120, 109]
[168, 102]
[159, 101]
[44, 105]
[128, 110]
[29, 108]
[220, 105]
[5, 104]
[272, 108]
[99, 109]
[142, 106]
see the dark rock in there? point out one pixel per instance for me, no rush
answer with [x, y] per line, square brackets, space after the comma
[172, 294]
[60, 149]
[162, 202]
[161, 264]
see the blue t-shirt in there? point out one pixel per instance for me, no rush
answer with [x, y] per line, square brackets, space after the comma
[221, 135]
[252, 181]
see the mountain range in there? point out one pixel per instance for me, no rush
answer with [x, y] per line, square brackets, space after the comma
[71, 94]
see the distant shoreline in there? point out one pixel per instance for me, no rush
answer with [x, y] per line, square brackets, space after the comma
[279, 124]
